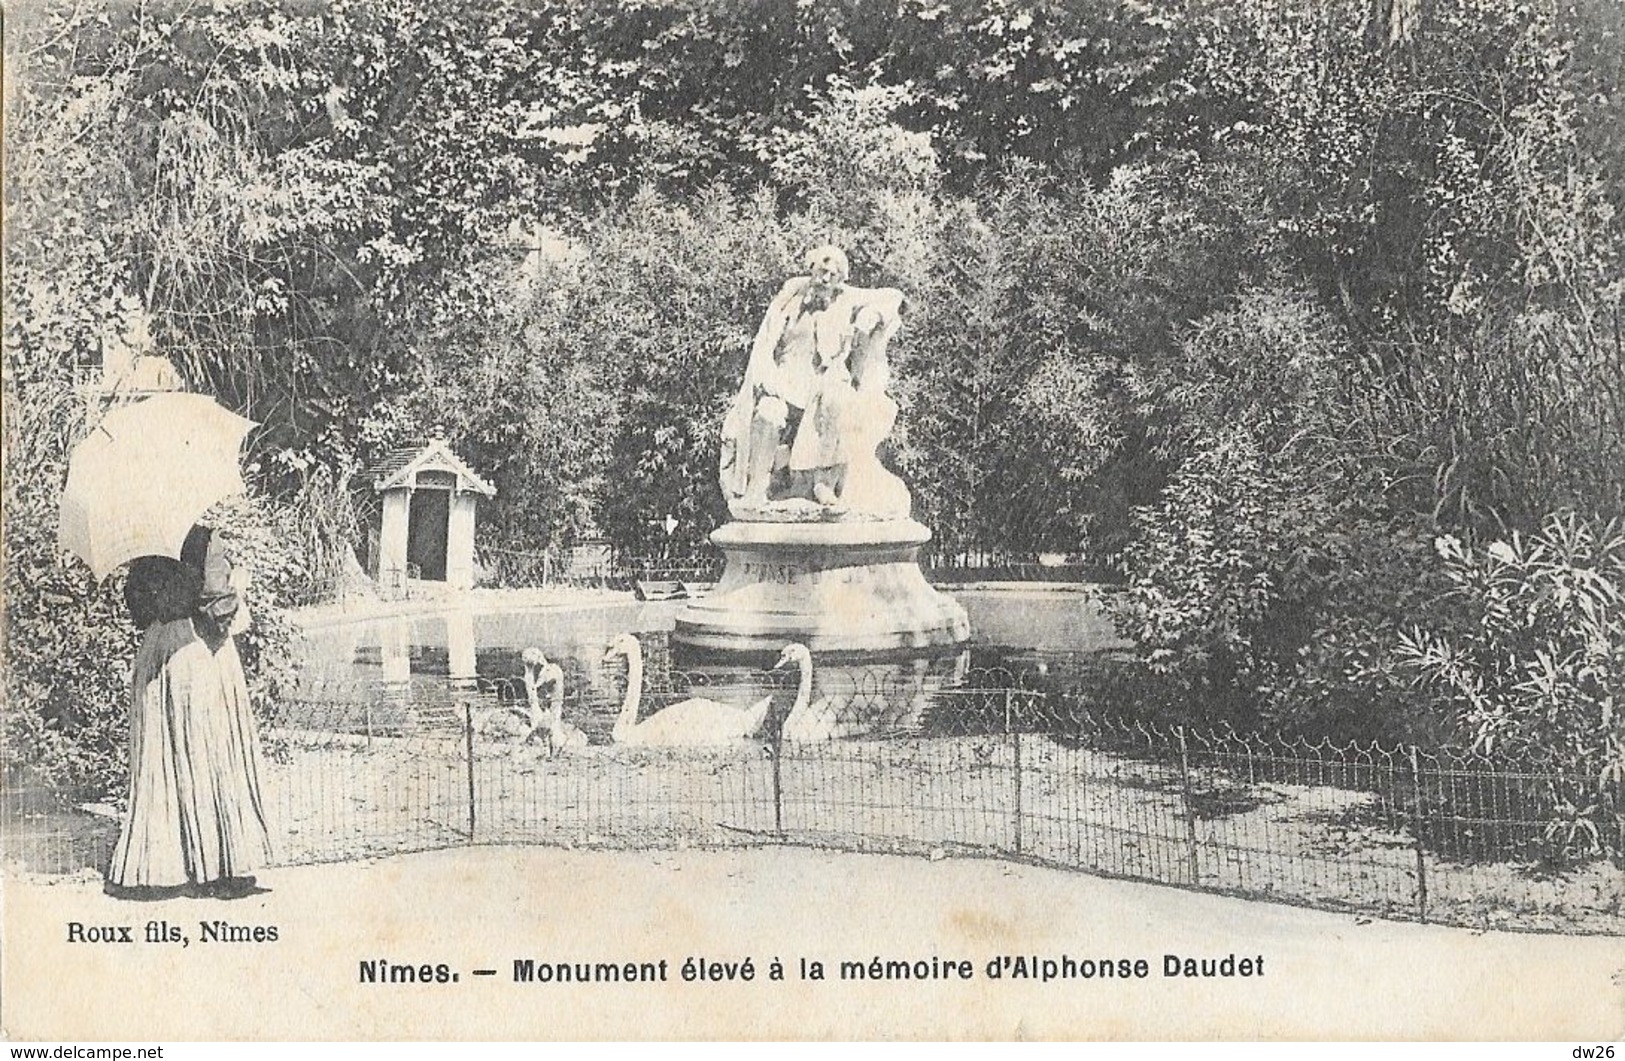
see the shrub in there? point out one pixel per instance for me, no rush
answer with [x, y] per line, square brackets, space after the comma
[1539, 660]
[1269, 582]
[68, 644]
[68, 641]
[1204, 576]
[1536, 664]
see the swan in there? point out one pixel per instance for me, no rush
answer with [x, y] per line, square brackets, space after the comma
[561, 736]
[696, 722]
[808, 721]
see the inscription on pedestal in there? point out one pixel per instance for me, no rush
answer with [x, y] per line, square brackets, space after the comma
[780, 574]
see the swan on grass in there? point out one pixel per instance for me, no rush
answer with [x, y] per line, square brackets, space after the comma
[696, 722]
[809, 721]
[560, 735]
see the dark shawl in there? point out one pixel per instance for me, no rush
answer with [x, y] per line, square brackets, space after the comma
[197, 587]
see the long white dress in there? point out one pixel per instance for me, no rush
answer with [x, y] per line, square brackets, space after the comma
[196, 813]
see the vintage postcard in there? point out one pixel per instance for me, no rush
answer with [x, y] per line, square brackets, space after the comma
[896, 520]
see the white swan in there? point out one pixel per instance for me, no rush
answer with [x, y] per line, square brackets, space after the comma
[695, 722]
[561, 735]
[808, 721]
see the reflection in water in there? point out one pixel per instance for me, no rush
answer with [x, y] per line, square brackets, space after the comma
[443, 645]
[871, 700]
[404, 673]
[460, 655]
[395, 650]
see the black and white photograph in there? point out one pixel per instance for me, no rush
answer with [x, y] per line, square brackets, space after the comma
[808, 520]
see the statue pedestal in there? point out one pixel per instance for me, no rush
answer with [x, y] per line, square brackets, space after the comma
[834, 587]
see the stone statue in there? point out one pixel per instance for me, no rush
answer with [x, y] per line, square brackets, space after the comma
[799, 441]
[821, 550]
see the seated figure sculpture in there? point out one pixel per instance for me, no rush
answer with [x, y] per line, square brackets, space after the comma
[799, 440]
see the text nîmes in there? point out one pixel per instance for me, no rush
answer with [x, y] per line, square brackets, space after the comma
[384, 971]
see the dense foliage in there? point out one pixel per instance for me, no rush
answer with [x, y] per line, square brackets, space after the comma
[1253, 299]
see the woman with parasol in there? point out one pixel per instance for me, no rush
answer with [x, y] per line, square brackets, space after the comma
[137, 483]
[196, 819]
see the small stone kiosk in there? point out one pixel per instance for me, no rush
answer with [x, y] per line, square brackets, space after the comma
[429, 498]
[822, 549]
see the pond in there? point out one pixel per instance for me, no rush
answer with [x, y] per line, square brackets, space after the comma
[389, 674]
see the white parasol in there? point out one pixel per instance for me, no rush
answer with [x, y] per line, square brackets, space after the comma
[146, 474]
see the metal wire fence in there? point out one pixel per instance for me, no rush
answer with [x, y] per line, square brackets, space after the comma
[927, 759]
[393, 585]
[535, 569]
[524, 569]
[45, 830]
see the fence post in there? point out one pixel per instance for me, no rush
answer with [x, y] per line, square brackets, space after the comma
[1416, 834]
[1015, 736]
[468, 747]
[1190, 807]
[778, 782]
